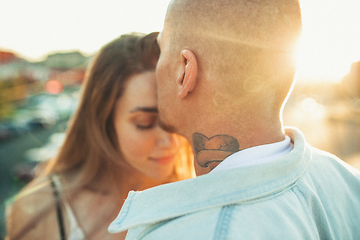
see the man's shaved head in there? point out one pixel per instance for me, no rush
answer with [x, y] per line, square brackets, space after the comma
[260, 23]
[238, 40]
[244, 56]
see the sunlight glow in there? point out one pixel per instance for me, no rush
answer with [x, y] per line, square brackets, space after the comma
[309, 104]
[331, 39]
[34, 28]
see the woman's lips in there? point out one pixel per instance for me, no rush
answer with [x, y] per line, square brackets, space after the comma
[163, 160]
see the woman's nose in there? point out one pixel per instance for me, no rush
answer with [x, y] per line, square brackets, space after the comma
[166, 140]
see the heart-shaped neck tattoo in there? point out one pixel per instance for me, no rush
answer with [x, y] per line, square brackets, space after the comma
[209, 152]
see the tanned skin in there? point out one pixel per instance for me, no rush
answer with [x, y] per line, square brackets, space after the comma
[210, 152]
[224, 73]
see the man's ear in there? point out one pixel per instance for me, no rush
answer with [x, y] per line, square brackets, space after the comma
[187, 82]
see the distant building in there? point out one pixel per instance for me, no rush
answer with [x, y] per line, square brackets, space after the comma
[6, 57]
[65, 60]
[10, 65]
[68, 67]
[20, 78]
[12, 68]
[68, 77]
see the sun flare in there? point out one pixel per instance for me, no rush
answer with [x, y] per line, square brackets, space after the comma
[330, 41]
[329, 44]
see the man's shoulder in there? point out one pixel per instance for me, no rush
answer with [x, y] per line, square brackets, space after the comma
[235, 200]
[257, 220]
[323, 162]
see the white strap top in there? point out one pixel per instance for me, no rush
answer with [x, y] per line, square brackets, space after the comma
[76, 233]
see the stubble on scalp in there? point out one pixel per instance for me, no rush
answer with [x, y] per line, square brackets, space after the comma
[217, 30]
[238, 41]
[242, 45]
[258, 23]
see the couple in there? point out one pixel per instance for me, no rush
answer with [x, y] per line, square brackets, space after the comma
[225, 71]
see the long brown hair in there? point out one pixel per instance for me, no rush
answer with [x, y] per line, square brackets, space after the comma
[91, 146]
[90, 156]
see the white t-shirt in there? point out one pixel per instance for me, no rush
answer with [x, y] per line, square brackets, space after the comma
[256, 155]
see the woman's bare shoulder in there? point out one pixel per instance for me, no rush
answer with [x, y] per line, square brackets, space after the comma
[30, 209]
[34, 195]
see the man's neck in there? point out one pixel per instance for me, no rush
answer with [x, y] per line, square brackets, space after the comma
[211, 146]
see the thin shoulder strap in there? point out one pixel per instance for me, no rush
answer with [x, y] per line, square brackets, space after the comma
[58, 209]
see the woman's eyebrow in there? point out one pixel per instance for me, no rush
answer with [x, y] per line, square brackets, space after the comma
[145, 109]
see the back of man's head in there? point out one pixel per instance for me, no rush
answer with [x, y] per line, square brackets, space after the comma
[239, 43]
[231, 64]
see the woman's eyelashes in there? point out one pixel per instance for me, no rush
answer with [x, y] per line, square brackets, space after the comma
[144, 127]
[145, 122]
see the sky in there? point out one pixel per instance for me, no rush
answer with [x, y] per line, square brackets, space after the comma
[35, 28]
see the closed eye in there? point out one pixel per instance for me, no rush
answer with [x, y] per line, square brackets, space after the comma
[145, 127]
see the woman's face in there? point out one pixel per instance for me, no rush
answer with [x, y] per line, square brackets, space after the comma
[144, 145]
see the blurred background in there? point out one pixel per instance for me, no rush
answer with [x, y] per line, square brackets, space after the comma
[45, 47]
